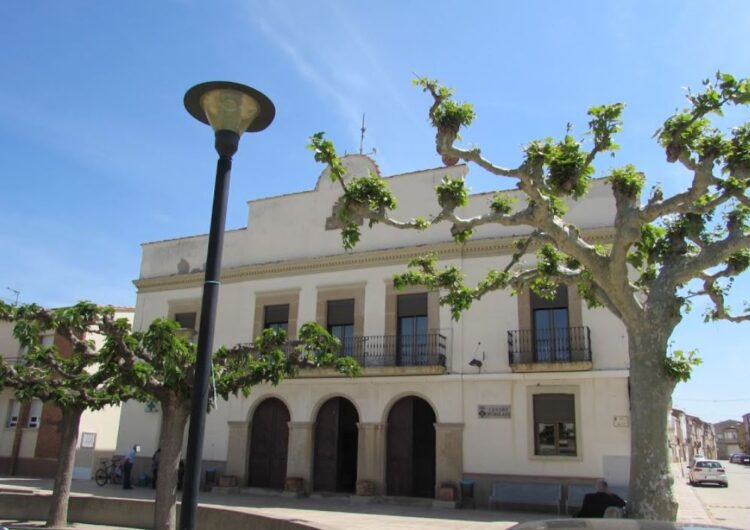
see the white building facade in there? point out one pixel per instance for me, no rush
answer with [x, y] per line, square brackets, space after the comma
[30, 437]
[519, 387]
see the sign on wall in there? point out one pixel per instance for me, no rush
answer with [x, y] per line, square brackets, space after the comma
[493, 411]
[621, 421]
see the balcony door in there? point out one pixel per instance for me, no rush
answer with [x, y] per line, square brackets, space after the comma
[551, 323]
[340, 323]
[412, 338]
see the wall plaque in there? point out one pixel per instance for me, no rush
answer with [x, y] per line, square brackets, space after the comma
[493, 411]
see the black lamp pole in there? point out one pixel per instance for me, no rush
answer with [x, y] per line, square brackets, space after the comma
[230, 109]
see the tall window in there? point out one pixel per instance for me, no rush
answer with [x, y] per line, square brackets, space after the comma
[412, 330]
[186, 320]
[276, 317]
[554, 425]
[35, 413]
[340, 321]
[551, 327]
[14, 411]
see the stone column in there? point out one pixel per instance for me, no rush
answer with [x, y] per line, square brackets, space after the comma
[371, 454]
[237, 450]
[299, 461]
[449, 451]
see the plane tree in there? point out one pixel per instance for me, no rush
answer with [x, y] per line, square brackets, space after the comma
[664, 252]
[155, 364]
[159, 363]
[74, 379]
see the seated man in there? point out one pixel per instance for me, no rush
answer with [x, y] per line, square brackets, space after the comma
[594, 504]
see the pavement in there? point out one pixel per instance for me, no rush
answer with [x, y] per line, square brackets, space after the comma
[341, 512]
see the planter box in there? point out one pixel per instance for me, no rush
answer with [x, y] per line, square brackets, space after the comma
[365, 488]
[227, 481]
[447, 494]
[295, 485]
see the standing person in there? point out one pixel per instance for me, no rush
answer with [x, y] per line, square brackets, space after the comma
[128, 467]
[155, 467]
[594, 504]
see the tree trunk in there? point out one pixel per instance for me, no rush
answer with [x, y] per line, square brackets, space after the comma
[173, 420]
[58, 511]
[651, 495]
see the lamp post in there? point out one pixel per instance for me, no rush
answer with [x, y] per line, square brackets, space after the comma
[230, 109]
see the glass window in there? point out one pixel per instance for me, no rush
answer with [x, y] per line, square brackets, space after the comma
[340, 323]
[14, 411]
[185, 320]
[35, 413]
[276, 317]
[551, 327]
[554, 425]
[412, 330]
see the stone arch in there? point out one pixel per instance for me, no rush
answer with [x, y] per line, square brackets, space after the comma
[406, 393]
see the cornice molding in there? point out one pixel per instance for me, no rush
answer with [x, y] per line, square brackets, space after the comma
[352, 260]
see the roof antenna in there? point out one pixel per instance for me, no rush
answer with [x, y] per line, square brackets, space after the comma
[362, 136]
[16, 292]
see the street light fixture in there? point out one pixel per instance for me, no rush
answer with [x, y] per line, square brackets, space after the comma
[231, 109]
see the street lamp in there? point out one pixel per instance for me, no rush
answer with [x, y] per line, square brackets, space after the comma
[230, 109]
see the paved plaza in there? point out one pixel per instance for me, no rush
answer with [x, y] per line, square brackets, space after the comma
[342, 514]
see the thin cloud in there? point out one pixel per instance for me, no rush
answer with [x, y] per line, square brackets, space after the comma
[352, 75]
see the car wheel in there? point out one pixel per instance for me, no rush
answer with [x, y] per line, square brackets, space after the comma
[691, 482]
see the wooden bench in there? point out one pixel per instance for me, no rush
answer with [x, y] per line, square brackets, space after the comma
[529, 496]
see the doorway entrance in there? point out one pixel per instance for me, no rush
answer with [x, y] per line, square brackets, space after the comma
[269, 442]
[410, 449]
[336, 437]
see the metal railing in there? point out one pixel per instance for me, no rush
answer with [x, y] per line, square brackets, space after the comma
[549, 345]
[426, 349]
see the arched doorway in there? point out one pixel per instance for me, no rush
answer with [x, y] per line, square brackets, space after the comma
[335, 460]
[269, 441]
[410, 450]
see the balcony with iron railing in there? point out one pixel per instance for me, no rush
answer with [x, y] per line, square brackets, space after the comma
[420, 354]
[550, 349]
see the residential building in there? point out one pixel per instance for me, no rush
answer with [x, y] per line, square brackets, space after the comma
[745, 433]
[728, 437]
[519, 388]
[30, 437]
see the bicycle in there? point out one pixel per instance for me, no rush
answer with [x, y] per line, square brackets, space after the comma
[110, 471]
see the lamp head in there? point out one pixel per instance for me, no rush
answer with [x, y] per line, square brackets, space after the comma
[228, 106]
[475, 362]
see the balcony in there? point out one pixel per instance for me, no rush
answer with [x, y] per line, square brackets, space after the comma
[388, 355]
[550, 349]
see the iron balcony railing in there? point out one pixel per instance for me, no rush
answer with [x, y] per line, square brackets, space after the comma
[426, 349]
[549, 345]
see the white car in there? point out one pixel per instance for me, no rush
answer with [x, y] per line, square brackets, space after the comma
[708, 471]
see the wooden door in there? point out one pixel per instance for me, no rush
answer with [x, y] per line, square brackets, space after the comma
[400, 448]
[335, 460]
[410, 451]
[269, 442]
[326, 447]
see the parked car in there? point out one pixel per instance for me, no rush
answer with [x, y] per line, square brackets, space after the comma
[707, 471]
[740, 458]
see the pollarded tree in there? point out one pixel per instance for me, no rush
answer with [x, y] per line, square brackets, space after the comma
[73, 382]
[160, 363]
[664, 251]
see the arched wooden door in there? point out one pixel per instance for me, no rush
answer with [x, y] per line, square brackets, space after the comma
[410, 450]
[269, 442]
[336, 437]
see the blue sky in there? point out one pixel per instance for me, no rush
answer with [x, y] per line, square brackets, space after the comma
[98, 155]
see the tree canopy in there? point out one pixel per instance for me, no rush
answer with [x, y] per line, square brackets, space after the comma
[664, 251]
